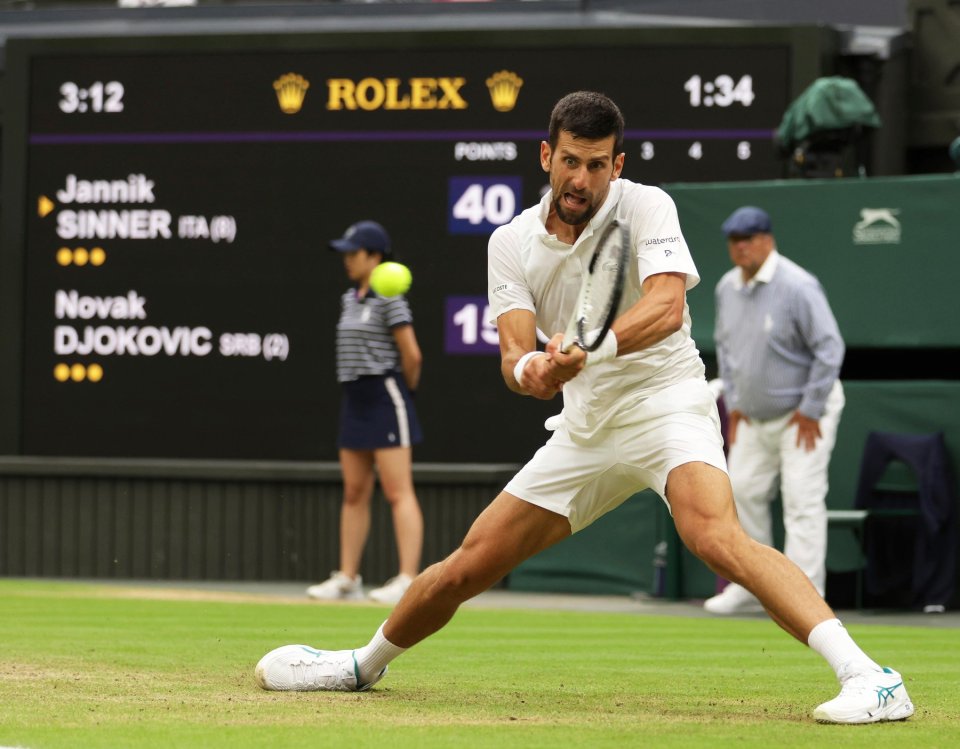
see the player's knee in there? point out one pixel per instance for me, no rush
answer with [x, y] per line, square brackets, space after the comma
[716, 546]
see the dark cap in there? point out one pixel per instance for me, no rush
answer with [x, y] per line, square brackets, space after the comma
[366, 235]
[746, 221]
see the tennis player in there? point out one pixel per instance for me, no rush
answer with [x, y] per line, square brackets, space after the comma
[637, 413]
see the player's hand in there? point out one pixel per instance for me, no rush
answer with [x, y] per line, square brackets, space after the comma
[539, 378]
[568, 365]
[808, 430]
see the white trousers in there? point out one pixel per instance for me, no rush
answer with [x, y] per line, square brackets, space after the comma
[766, 451]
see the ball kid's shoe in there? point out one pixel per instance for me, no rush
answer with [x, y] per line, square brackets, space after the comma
[867, 696]
[338, 587]
[300, 668]
[392, 591]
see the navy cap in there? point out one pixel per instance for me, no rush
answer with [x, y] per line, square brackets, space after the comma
[746, 221]
[366, 235]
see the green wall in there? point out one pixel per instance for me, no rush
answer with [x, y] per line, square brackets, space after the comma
[891, 283]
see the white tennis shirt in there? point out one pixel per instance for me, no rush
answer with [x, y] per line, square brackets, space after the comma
[528, 268]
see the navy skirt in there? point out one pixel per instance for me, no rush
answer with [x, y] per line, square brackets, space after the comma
[376, 412]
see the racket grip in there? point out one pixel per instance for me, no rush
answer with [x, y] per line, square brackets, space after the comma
[569, 339]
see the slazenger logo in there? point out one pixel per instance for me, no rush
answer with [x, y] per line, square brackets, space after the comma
[877, 226]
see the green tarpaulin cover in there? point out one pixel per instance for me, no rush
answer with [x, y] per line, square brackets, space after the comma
[830, 103]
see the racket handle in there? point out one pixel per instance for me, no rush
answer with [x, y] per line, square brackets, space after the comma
[569, 338]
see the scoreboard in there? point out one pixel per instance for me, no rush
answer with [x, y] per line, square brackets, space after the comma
[167, 203]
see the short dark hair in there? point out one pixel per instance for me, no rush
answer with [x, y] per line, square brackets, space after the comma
[587, 114]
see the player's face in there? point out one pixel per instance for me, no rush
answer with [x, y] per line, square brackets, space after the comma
[749, 251]
[581, 171]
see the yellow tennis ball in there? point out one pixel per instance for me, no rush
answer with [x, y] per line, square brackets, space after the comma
[391, 279]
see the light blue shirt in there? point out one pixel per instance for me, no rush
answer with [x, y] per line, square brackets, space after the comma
[779, 348]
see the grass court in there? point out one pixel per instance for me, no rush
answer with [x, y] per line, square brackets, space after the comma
[85, 665]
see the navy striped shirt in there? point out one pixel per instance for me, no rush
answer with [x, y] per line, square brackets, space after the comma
[779, 348]
[365, 342]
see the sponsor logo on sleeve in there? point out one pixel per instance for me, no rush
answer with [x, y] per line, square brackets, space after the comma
[666, 242]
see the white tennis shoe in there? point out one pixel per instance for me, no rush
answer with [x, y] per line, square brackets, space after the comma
[338, 587]
[300, 668]
[867, 696]
[733, 599]
[392, 591]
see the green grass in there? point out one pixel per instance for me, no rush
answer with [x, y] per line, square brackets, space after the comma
[91, 666]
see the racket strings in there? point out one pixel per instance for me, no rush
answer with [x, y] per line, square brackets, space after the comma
[600, 293]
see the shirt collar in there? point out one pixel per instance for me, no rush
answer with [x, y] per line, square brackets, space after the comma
[598, 221]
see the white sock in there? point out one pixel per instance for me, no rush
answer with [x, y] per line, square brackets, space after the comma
[831, 639]
[373, 657]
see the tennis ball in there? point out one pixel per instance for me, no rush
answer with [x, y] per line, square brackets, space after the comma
[390, 279]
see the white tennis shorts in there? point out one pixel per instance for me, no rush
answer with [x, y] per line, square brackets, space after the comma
[678, 425]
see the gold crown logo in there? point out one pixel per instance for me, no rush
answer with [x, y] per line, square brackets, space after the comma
[504, 90]
[291, 91]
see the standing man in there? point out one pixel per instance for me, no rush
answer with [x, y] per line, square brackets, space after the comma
[779, 353]
[637, 413]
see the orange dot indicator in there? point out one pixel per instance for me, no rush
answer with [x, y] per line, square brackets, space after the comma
[64, 256]
[78, 372]
[61, 372]
[98, 256]
[81, 256]
[94, 373]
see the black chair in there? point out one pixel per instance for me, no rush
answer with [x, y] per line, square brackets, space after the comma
[909, 527]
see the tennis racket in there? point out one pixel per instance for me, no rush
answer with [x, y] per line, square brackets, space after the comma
[601, 290]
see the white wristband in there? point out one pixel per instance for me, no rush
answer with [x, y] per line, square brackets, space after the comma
[518, 369]
[606, 352]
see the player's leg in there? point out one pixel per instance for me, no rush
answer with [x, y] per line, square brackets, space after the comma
[395, 470]
[804, 493]
[564, 486]
[702, 504]
[508, 531]
[701, 501]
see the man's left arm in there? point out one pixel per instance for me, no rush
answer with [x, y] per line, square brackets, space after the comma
[658, 314]
[821, 334]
